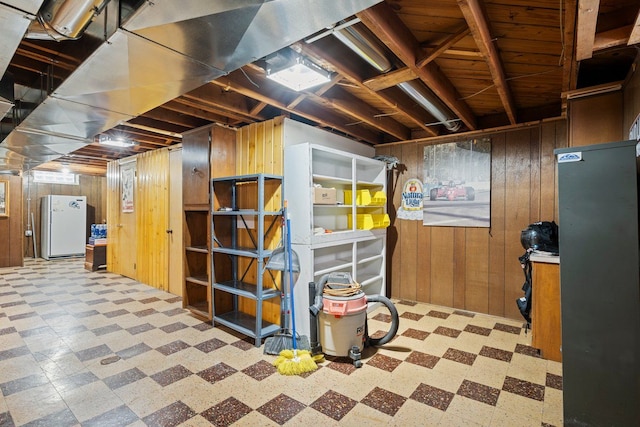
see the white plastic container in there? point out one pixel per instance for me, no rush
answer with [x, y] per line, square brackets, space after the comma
[341, 324]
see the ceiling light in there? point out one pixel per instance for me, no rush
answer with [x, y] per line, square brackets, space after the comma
[115, 141]
[300, 74]
[430, 103]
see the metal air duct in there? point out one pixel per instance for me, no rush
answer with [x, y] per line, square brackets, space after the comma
[64, 19]
[360, 42]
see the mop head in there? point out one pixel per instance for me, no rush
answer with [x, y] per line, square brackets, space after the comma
[295, 362]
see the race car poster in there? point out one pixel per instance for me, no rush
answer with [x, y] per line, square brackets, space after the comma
[457, 184]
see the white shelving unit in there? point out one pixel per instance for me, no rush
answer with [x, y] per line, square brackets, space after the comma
[354, 246]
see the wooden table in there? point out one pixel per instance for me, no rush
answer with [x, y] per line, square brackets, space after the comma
[95, 257]
[546, 325]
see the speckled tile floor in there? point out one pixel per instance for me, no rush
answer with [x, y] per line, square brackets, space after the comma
[98, 349]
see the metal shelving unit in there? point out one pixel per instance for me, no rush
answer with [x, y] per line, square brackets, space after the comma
[246, 214]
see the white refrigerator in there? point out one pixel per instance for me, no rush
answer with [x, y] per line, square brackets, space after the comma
[63, 226]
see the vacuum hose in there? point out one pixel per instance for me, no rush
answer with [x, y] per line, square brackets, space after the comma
[395, 321]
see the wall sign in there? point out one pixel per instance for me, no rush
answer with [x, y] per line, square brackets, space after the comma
[412, 196]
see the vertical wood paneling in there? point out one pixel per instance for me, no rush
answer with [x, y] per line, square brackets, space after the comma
[260, 150]
[518, 207]
[476, 286]
[113, 215]
[476, 268]
[11, 228]
[459, 267]
[152, 218]
[394, 237]
[496, 295]
[409, 229]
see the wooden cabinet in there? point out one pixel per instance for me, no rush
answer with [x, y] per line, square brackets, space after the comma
[347, 234]
[206, 152]
[195, 168]
[546, 327]
[95, 257]
[196, 292]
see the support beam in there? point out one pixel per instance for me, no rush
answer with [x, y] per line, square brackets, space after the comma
[586, 31]
[478, 24]
[390, 79]
[444, 46]
[385, 23]
[634, 38]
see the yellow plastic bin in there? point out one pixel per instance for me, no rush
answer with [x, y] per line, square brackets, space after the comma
[363, 197]
[381, 221]
[363, 221]
[378, 198]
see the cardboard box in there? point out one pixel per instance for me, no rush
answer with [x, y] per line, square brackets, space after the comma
[324, 196]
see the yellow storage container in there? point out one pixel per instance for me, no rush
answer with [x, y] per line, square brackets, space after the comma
[381, 221]
[363, 197]
[363, 221]
[379, 198]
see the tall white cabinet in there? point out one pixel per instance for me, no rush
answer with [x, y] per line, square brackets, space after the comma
[346, 236]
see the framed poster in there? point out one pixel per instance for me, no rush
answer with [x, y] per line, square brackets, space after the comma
[4, 198]
[127, 176]
[457, 184]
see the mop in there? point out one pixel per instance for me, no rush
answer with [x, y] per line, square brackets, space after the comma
[284, 260]
[295, 361]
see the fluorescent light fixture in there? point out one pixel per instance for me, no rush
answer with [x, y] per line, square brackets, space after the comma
[115, 141]
[302, 74]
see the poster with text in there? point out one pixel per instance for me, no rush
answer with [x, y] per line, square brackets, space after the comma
[457, 184]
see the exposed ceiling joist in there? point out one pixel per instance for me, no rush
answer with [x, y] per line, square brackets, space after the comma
[390, 79]
[634, 37]
[383, 22]
[587, 20]
[475, 17]
[444, 46]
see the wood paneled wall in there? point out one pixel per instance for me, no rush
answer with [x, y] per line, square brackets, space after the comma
[475, 269]
[93, 187]
[151, 207]
[11, 231]
[152, 218]
[260, 149]
[596, 119]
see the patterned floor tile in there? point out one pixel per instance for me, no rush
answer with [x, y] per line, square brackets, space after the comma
[173, 347]
[478, 330]
[170, 416]
[447, 332]
[120, 416]
[210, 345]
[171, 375]
[281, 409]
[260, 370]
[422, 359]
[523, 388]
[87, 311]
[123, 378]
[411, 316]
[432, 396]
[416, 334]
[217, 373]
[554, 381]
[459, 356]
[438, 314]
[334, 405]
[226, 412]
[384, 401]
[479, 392]
[383, 362]
[496, 353]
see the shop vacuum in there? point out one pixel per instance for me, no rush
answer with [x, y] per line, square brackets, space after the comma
[338, 309]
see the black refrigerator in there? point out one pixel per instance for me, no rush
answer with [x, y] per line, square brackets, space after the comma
[600, 284]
